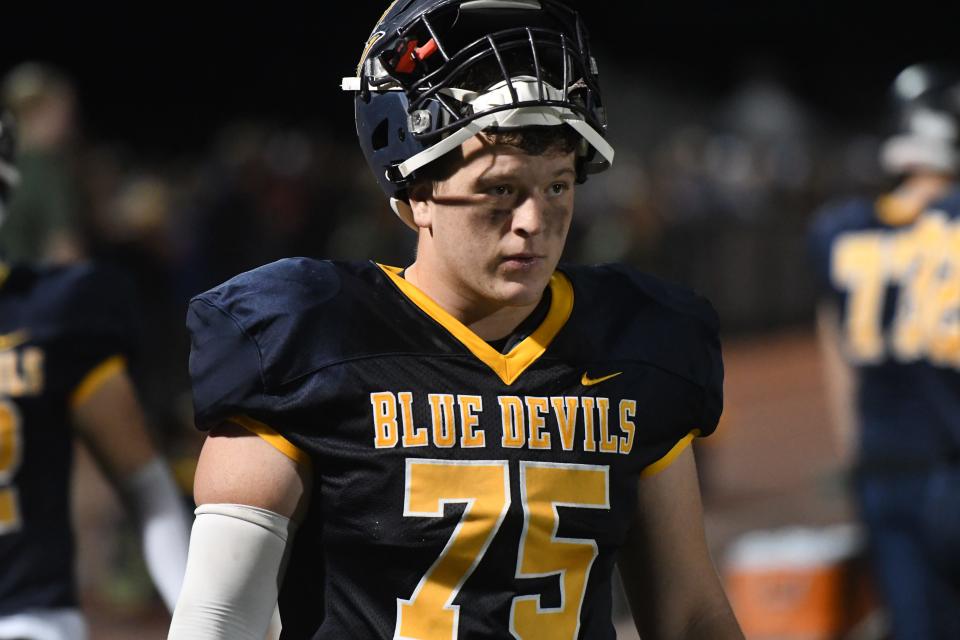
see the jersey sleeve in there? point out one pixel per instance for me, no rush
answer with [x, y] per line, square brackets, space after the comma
[697, 396]
[240, 333]
[676, 333]
[224, 365]
[711, 372]
[95, 324]
[250, 348]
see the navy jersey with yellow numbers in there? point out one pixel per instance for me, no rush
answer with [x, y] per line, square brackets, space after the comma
[459, 492]
[897, 285]
[62, 331]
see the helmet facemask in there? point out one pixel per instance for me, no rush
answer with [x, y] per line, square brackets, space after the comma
[458, 68]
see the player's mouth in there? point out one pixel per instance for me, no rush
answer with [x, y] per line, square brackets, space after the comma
[522, 261]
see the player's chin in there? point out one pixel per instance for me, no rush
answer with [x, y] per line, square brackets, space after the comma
[522, 287]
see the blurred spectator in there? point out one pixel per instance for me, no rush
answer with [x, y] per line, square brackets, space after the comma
[44, 219]
[66, 333]
[889, 270]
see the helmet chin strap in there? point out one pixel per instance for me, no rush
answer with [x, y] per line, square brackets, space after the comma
[404, 212]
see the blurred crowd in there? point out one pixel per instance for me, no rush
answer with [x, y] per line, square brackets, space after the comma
[697, 184]
[716, 194]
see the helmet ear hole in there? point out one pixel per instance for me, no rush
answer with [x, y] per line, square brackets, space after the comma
[379, 138]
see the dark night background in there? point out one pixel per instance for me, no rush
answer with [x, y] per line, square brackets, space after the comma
[161, 75]
[214, 138]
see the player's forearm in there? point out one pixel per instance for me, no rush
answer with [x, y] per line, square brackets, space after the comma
[164, 526]
[233, 574]
[716, 624]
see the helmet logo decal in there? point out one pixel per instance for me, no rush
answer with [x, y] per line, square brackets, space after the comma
[366, 50]
[377, 34]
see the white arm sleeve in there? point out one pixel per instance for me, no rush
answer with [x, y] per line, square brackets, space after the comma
[233, 574]
[163, 523]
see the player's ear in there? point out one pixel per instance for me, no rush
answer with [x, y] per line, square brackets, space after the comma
[420, 197]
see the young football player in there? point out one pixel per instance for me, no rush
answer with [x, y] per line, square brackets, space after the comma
[467, 446]
[64, 336]
[890, 269]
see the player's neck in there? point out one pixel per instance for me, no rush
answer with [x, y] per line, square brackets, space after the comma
[488, 320]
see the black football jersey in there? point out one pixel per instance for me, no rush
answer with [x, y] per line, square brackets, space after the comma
[62, 330]
[459, 492]
[897, 286]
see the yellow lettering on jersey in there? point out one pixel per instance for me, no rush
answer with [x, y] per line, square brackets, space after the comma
[565, 409]
[628, 409]
[11, 452]
[916, 257]
[11, 383]
[484, 489]
[470, 406]
[511, 417]
[537, 408]
[21, 372]
[589, 437]
[33, 370]
[385, 429]
[608, 443]
[940, 316]
[543, 487]
[444, 424]
[922, 263]
[412, 436]
[859, 267]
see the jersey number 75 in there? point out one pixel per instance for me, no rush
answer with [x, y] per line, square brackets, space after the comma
[484, 488]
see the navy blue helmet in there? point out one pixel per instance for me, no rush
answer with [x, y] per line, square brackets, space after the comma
[8, 173]
[927, 104]
[437, 72]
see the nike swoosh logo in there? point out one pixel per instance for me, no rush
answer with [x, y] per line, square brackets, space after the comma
[13, 340]
[587, 381]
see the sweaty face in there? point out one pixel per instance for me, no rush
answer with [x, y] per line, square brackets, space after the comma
[492, 233]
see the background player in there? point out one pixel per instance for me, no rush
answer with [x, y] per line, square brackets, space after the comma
[471, 443]
[889, 328]
[64, 336]
[44, 225]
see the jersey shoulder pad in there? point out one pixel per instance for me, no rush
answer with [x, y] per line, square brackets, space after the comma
[252, 334]
[643, 317]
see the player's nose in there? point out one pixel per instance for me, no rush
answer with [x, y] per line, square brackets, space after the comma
[529, 217]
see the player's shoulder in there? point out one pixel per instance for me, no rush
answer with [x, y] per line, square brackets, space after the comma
[623, 314]
[291, 285]
[841, 215]
[622, 291]
[296, 315]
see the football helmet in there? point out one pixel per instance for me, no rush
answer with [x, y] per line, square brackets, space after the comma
[9, 177]
[927, 103]
[435, 73]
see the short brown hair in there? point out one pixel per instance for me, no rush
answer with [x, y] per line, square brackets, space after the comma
[534, 140]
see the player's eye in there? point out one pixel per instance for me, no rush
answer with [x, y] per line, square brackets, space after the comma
[501, 191]
[559, 188]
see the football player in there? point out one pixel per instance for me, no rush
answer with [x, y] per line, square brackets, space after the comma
[890, 328]
[467, 446]
[64, 336]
